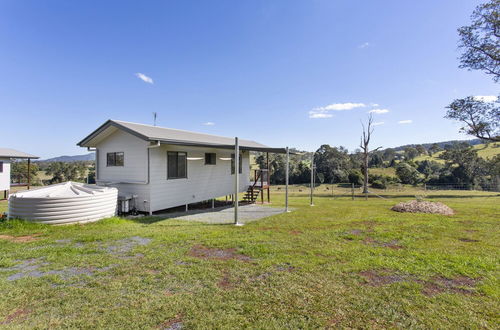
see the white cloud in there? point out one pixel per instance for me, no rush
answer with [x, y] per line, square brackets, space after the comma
[209, 123]
[378, 123]
[407, 121]
[374, 105]
[144, 78]
[486, 98]
[340, 106]
[364, 45]
[379, 111]
[319, 115]
[323, 112]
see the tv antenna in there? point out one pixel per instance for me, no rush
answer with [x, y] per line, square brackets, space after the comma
[154, 118]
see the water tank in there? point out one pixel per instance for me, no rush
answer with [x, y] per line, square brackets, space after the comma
[64, 203]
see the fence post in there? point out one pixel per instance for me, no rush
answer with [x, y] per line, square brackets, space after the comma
[352, 191]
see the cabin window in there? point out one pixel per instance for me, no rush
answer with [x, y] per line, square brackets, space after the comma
[1, 167]
[176, 165]
[115, 158]
[240, 168]
[210, 158]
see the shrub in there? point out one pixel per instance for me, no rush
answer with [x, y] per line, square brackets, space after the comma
[378, 184]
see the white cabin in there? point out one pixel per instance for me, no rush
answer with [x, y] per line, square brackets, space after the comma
[6, 157]
[166, 167]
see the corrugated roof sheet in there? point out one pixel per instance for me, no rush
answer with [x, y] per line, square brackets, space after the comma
[12, 153]
[176, 136]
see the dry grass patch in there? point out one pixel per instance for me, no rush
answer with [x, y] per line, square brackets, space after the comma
[20, 239]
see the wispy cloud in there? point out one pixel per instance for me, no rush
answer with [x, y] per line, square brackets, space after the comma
[209, 123]
[379, 111]
[378, 123]
[407, 121]
[374, 105]
[486, 98]
[323, 112]
[319, 115]
[144, 78]
[364, 45]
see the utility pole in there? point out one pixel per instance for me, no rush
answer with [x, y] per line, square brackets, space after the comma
[286, 178]
[312, 178]
[236, 179]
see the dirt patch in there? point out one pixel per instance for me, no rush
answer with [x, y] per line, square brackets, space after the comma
[225, 281]
[468, 240]
[295, 232]
[286, 267]
[440, 284]
[423, 207]
[20, 314]
[356, 232]
[394, 244]
[200, 251]
[382, 277]
[20, 239]
[432, 287]
[172, 324]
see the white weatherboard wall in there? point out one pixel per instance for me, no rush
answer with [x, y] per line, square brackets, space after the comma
[132, 178]
[203, 182]
[5, 175]
[156, 192]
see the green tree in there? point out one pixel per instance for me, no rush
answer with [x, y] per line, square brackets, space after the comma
[480, 118]
[332, 162]
[62, 172]
[434, 148]
[479, 42]
[19, 172]
[407, 174]
[410, 153]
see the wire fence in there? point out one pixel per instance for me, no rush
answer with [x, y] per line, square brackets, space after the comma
[350, 189]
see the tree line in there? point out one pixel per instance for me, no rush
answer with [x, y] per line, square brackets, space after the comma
[460, 164]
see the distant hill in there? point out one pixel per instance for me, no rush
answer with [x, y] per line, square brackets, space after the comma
[472, 142]
[70, 159]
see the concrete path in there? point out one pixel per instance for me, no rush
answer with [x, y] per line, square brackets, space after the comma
[225, 215]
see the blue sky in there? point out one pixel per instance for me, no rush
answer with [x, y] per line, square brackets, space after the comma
[256, 69]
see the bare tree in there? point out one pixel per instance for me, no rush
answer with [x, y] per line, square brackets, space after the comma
[364, 145]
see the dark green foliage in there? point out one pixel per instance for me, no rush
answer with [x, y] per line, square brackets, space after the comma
[407, 174]
[480, 118]
[19, 172]
[62, 172]
[480, 41]
[356, 177]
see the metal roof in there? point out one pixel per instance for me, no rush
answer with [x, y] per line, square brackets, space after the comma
[175, 136]
[11, 153]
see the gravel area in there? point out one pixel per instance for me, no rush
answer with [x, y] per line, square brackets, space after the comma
[225, 215]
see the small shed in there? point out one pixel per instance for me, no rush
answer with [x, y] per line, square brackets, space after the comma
[6, 157]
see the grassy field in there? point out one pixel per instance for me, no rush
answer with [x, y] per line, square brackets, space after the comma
[483, 150]
[341, 263]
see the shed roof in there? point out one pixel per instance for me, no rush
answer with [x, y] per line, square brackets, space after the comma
[12, 153]
[174, 136]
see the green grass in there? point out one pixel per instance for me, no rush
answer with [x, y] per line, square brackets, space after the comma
[389, 171]
[306, 269]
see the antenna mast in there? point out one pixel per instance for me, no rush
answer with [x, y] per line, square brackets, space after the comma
[154, 118]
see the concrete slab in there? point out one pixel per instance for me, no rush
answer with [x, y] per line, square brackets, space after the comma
[225, 215]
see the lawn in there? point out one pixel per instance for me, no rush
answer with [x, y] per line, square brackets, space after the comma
[340, 263]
